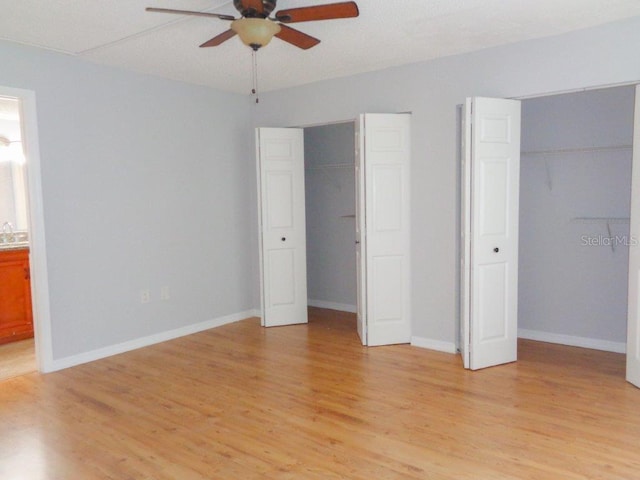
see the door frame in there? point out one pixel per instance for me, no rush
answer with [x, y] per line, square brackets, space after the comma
[40, 303]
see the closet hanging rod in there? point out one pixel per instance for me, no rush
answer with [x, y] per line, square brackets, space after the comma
[560, 151]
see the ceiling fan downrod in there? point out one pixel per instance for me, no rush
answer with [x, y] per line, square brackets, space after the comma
[254, 74]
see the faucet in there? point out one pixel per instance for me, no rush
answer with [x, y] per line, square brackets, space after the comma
[7, 236]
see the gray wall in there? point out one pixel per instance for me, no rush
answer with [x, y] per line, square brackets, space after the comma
[330, 199]
[432, 90]
[572, 281]
[147, 183]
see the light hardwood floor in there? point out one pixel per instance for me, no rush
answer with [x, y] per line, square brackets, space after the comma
[309, 402]
[17, 358]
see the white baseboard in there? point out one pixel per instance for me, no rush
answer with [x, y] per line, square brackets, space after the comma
[104, 352]
[573, 341]
[342, 307]
[439, 345]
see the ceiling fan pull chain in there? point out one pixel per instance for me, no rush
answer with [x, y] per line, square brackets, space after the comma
[254, 75]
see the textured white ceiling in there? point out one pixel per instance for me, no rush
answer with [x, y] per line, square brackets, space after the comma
[387, 33]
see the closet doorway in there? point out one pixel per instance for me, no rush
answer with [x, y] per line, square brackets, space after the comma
[330, 197]
[382, 226]
[574, 220]
[575, 201]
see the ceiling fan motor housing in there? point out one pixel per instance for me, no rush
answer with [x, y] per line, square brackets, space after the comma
[248, 8]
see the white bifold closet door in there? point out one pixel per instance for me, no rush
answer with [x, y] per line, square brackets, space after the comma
[490, 211]
[283, 249]
[383, 228]
[633, 320]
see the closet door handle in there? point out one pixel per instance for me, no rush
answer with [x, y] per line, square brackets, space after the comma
[496, 249]
[284, 239]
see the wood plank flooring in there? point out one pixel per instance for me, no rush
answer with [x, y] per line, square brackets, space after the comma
[17, 358]
[309, 402]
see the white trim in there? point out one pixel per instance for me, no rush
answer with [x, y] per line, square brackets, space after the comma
[577, 90]
[325, 124]
[573, 341]
[431, 344]
[342, 307]
[259, 207]
[37, 242]
[104, 352]
[632, 373]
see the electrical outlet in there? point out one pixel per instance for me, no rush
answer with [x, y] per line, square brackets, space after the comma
[164, 293]
[145, 295]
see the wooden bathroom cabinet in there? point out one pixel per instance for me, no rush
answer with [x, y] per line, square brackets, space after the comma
[16, 319]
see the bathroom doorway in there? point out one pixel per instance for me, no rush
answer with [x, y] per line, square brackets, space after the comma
[17, 345]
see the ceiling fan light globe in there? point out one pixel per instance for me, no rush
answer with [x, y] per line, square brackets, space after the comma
[255, 32]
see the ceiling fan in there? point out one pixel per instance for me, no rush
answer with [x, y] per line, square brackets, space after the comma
[256, 28]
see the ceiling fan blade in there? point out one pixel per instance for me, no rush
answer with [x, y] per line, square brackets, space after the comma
[218, 39]
[190, 12]
[318, 12]
[296, 37]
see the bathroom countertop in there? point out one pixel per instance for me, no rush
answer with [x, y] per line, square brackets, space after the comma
[13, 246]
